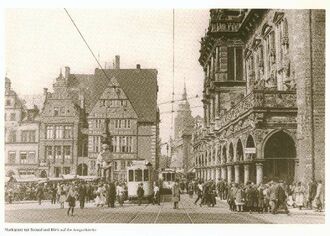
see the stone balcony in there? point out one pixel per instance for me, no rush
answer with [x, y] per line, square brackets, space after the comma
[259, 101]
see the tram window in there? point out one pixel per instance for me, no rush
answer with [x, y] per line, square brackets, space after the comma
[138, 175]
[164, 177]
[173, 176]
[168, 177]
[146, 175]
[130, 176]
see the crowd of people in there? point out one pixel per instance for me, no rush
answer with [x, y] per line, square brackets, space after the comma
[272, 197]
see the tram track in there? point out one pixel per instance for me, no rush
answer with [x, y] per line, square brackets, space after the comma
[185, 211]
[137, 214]
[159, 211]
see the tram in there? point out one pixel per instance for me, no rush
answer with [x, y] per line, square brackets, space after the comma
[140, 172]
[167, 179]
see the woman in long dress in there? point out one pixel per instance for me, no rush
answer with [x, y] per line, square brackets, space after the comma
[62, 198]
[100, 196]
[319, 196]
[300, 195]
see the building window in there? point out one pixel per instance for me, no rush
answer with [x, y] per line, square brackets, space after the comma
[66, 170]
[98, 123]
[12, 136]
[8, 103]
[96, 143]
[57, 171]
[235, 63]
[11, 157]
[67, 152]
[58, 152]
[28, 136]
[116, 165]
[50, 132]
[93, 164]
[49, 152]
[32, 157]
[122, 165]
[67, 132]
[23, 157]
[58, 132]
[12, 116]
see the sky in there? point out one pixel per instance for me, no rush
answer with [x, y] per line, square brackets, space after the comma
[39, 42]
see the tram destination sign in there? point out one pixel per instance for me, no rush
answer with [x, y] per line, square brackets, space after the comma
[250, 150]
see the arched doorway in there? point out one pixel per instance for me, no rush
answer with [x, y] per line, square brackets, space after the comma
[250, 155]
[82, 169]
[280, 154]
[43, 174]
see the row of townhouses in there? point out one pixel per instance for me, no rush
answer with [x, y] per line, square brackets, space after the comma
[64, 135]
[263, 97]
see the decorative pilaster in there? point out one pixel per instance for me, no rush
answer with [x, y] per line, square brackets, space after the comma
[246, 173]
[260, 174]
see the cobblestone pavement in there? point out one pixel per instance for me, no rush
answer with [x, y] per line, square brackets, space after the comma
[188, 212]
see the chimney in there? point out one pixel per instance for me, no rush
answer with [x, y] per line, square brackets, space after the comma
[67, 72]
[138, 66]
[117, 62]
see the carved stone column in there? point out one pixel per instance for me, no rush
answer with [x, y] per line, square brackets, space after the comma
[224, 173]
[229, 169]
[246, 173]
[237, 174]
[260, 174]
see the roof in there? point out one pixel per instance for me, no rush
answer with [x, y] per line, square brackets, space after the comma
[139, 85]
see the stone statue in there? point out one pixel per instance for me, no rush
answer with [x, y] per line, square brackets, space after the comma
[104, 162]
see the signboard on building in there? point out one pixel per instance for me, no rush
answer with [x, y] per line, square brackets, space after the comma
[250, 150]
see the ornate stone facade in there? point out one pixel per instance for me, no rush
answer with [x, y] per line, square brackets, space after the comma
[253, 96]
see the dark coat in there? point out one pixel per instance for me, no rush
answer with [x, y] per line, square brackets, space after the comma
[82, 192]
[140, 192]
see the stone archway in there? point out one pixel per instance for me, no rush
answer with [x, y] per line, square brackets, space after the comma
[280, 155]
[240, 158]
[82, 169]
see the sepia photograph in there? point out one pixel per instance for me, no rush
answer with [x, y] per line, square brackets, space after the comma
[164, 116]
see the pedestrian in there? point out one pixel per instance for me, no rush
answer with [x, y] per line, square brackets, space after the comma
[53, 194]
[176, 194]
[212, 194]
[261, 198]
[239, 197]
[312, 186]
[190, 189]
[300, 195]
[82, 195]
[156, 195]
[40, 193]
[273, 196]
[71, 199]
[140, 193]
[231, 197]
[282, 198]
[120, 194]
[199, 191]
[62, 198]
[319, 196]
[251, 198]
[111, 194]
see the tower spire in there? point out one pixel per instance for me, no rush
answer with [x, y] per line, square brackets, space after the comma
[184, 95]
